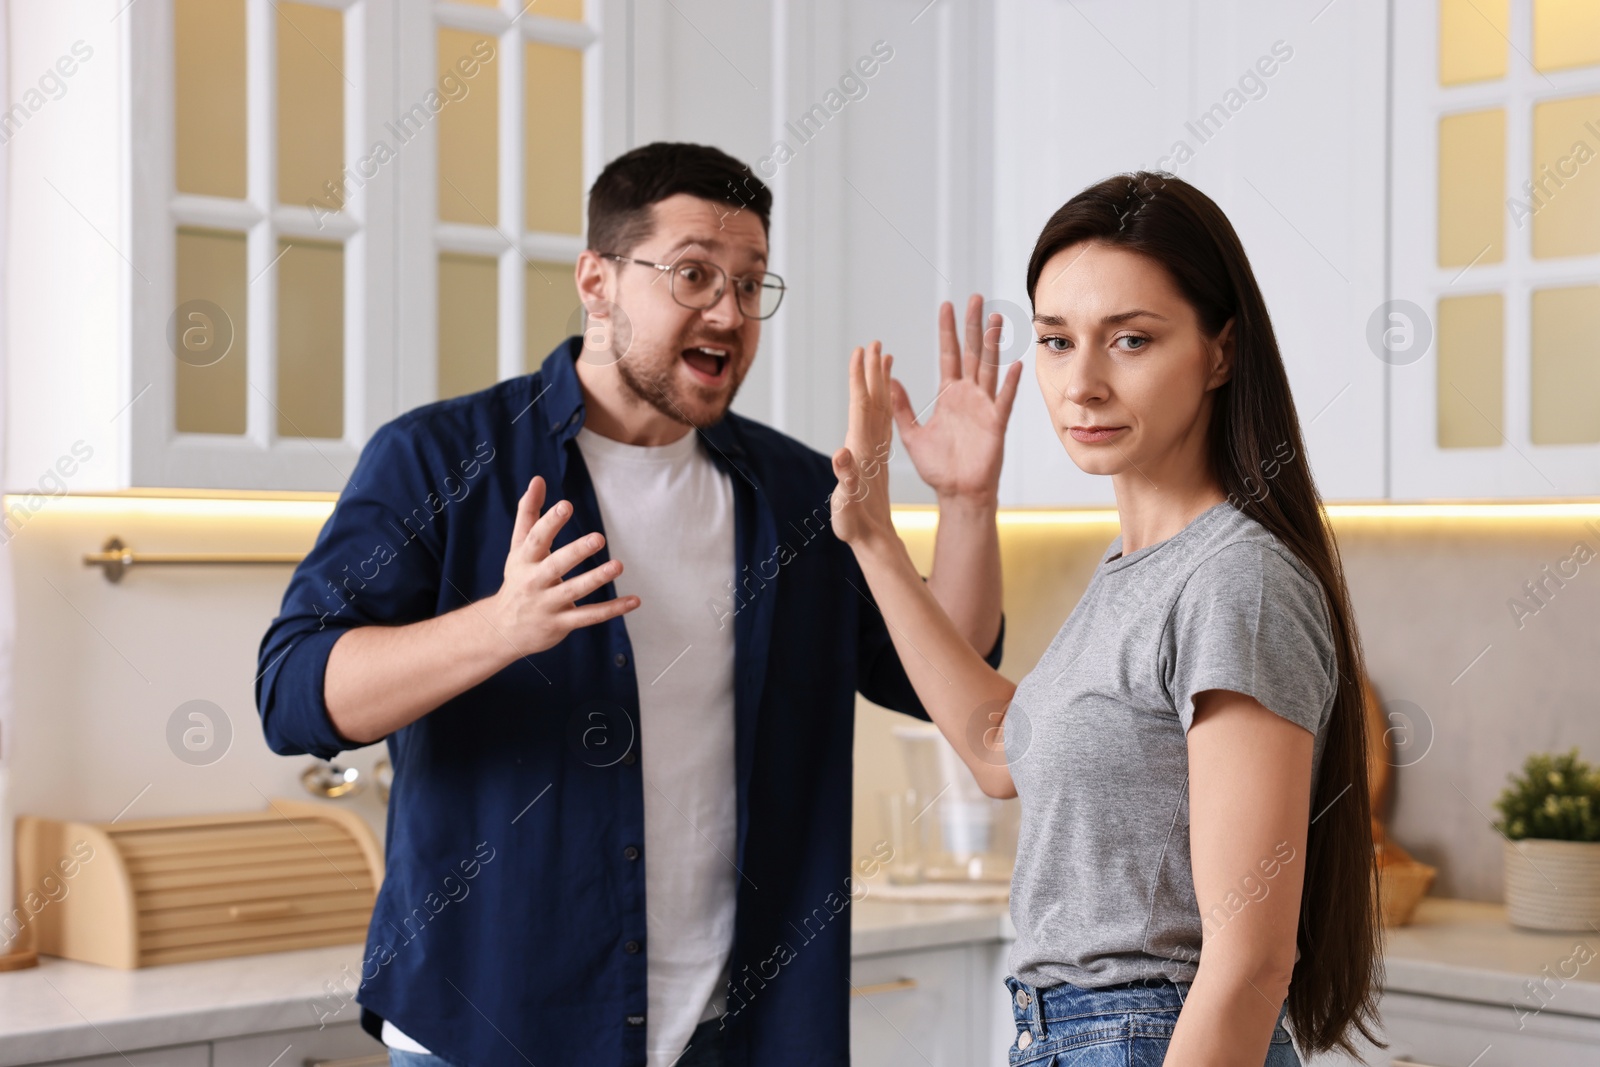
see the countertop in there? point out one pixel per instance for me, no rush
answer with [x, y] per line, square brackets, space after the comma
[1461, 950]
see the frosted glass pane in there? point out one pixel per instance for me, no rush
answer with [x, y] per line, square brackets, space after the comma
[553, 138]
[1472, 187]
[1565, 402]
[210, 332]
[310, 339]
[208, 60]
[1566, 33]
[1565, 208]
[468, 300]
[572, 10]
[1473, 40]
[469, 158]
[1471, 390]
[311, 83]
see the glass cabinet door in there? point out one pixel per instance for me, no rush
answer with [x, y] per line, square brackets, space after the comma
[263, 215]
[514, 144]
[1496, 247]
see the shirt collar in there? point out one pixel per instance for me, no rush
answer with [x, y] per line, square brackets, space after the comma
[561, 401]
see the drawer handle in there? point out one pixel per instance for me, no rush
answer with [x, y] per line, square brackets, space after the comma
[264, 910]
[380, 1060]
[883, 987]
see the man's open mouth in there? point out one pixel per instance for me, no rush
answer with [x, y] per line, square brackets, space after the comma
[708, 362]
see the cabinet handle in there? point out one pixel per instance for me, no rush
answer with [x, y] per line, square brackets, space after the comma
[883, 987]
[380, 1060]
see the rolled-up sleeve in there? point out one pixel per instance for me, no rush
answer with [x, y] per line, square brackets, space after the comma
[377, 562]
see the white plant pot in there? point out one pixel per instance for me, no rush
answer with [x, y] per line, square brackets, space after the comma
[1553, 885]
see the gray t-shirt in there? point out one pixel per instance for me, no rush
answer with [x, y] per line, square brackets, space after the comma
[1096, 739]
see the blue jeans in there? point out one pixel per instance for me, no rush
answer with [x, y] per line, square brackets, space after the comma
[1114, 1026]
[705, 1049]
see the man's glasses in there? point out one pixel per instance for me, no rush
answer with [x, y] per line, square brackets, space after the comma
[697, 284]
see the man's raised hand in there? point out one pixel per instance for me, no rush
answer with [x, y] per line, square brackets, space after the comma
[535, 607]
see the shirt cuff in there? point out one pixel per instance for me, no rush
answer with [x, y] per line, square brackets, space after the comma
[298, 722]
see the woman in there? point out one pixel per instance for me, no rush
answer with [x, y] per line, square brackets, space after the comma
[1190, 750]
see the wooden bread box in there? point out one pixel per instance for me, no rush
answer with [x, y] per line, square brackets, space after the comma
[152, 891]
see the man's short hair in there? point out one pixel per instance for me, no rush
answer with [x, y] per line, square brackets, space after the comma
[620, 218]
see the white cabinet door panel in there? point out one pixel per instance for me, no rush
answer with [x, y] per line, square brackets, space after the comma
[913, 1007]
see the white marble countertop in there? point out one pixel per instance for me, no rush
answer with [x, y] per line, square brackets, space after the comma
[1466, 950]
[1461, 950]
[878, 926]
[63, 1008]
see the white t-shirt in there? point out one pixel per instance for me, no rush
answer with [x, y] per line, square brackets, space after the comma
[668, 516]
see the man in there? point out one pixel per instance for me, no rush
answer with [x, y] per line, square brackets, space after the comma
[619, 828]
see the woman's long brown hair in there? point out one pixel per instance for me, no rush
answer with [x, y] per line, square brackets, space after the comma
[1336, 982]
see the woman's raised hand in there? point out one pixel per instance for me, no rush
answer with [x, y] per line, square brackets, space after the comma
[860, 503]
[958, 450]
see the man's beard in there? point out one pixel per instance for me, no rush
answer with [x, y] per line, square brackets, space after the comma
[662, 390]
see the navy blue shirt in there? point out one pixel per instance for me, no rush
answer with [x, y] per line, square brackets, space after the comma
[510, 925]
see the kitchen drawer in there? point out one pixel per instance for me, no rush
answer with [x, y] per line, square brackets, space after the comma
[913, 1007]
[1449, 1033]
[295, 1048]
[173, 1056]
[1434, 1032]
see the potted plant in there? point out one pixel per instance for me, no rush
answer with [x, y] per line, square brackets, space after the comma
[1550, 818]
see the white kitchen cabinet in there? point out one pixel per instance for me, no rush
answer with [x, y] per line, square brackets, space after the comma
[309, 1046]
[1277, 117]
[343, 1043]
[1434, 1032]
[174, 1056]
[1496, 250]
[233, 223]
[1294, 156]
[917, 1007]
[872, 123]
[1085, 91]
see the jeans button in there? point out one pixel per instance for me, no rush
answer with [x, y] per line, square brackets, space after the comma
[1024, 1039]
[1022, 999]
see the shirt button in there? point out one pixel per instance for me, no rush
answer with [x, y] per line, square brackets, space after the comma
[631, 948]
[629, 759]
[631, 852]
[620, 659]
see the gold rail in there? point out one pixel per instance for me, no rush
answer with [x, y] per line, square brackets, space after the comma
[114, 558]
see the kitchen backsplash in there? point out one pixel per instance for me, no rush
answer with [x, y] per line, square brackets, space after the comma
[104, 672]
